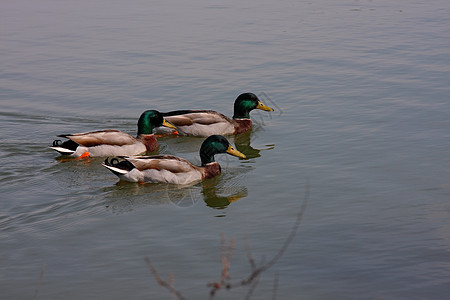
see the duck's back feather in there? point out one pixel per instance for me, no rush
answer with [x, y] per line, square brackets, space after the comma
[200, 122]
[165, 168]
[168, 162]
[101, 137]
[205, 117]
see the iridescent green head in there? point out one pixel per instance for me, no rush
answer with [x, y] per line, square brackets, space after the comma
[245, 103]
[149, 120]
[216, 144]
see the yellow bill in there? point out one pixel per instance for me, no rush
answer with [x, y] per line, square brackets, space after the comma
[234, 152]
[167, 124]
[263, 107]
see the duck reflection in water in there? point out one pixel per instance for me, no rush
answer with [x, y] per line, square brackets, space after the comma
[242, 143]
[216, 197]
[217, 193]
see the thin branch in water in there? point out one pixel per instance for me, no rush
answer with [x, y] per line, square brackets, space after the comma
[161, 282]
[39, 281]
[171, 279]
[253, 285]
[226, 262]
[252, 279]
[275, 287]
[286, 244]
[226, 259]
[250, 258]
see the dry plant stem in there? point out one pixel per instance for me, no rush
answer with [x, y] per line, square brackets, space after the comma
[252, 279]
[162, 282]
[226, 259]
[283, 249]
[39, 282]
[253, 285]
[275, 287]
[250, 258]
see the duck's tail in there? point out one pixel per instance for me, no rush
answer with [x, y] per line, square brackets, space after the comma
[67, 148]
[118, 167]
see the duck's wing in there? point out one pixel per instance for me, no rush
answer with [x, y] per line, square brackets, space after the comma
[201, 122]
[170, 163]
[101, 137]
[191, 117]
[165, 168]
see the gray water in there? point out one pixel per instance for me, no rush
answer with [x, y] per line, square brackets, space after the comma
[361, 96]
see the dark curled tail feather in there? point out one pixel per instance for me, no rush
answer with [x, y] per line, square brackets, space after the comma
[57, 143]
[123, 165]
[69, 144]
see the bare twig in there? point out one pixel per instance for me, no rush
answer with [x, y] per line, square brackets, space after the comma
[250, 258]
[252, 287]
[163, 283]
[256, 271]
[286, 244]
[252, 279]
[226, 259]
[39, 282]
[275, 287]
[226, 262]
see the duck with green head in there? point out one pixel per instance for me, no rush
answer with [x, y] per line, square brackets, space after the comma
[209, 122]
[112, 142]
[173, 169]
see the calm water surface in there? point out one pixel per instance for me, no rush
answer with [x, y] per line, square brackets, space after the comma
[361, 96]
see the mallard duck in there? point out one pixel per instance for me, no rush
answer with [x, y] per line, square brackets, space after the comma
[208, 122]
[112, 142]
[173, 169]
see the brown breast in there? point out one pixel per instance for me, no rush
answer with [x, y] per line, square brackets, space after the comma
[212, 169]
[150, 141]
[243, 125]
